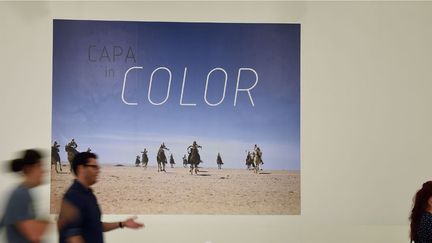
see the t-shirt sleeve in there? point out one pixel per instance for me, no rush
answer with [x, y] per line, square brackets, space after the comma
[71, 213]
[19, 208]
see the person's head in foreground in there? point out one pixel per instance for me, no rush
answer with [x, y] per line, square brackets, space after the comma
[421, 215]
[30, 166]
[19, 218]
[86, 168]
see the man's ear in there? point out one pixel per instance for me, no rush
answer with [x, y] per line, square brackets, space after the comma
[79, 168]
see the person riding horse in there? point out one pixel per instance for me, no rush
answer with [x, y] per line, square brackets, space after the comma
[194, 157]
[70, 148]
[257, 158]
[144, 158]
[56, 146]
[55, 156]
[191, 148]
[161, 158]
[163, 146]
[73, 144]
[258, 153]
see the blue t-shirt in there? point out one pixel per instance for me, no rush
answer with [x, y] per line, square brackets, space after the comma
[88, 223]
[19, 208]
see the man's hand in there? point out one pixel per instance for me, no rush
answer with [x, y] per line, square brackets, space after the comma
[132, 224]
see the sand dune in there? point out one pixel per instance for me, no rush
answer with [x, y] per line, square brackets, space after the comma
[135, 190]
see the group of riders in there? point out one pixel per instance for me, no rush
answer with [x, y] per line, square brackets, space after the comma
[253, 160]
[71, 150]
[193, 159]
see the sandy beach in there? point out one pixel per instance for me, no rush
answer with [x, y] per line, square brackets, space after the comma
[135, 190]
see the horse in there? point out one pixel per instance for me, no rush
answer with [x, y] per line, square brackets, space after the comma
[71, 151]
[257, 160]
[249, 161]
[161, 158]
[194, 160]
[55, 159]
[144, 159]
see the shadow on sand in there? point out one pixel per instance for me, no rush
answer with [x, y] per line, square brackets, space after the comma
[63, 173]
[203, 174]
[265, 173]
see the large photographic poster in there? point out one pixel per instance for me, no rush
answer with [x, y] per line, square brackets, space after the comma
[185, 118]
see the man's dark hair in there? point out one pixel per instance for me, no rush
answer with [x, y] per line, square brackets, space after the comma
[81, 159]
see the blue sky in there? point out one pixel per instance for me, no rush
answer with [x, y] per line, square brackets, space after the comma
[88, 106]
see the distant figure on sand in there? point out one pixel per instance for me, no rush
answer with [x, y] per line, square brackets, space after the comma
[258, 151]
[55, 157]
[184, 161]
[194, 158]
[137, 161]
[161, 158]
[71, 151]
[219, 161]
[172, 161]
[144, 158]
[249, 161]
[257, 158]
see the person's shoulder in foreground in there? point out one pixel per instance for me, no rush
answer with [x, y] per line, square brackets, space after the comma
[80, 215]
[19, 217]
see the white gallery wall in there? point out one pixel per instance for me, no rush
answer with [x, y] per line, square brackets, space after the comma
[366, 116]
